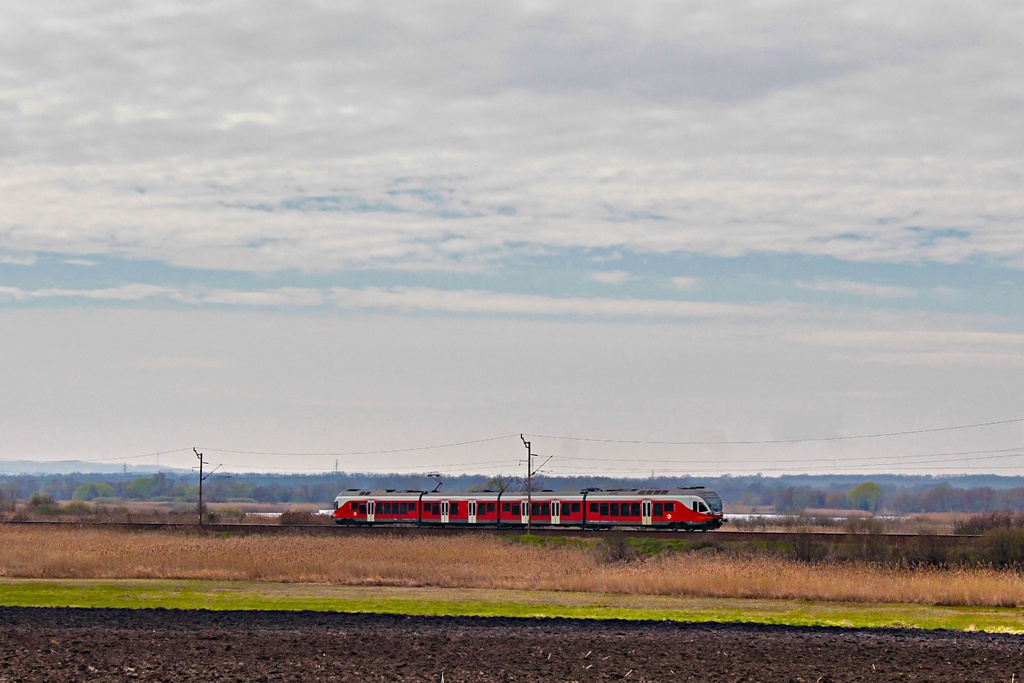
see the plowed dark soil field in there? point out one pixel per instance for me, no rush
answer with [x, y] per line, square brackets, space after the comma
[38, 644]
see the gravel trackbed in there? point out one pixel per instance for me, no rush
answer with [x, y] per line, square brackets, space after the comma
[59, 644]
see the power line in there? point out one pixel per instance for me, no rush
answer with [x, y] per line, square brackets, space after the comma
[776, 441]
[773, 465]
[381, 452]
[867, 459]
[412, 469]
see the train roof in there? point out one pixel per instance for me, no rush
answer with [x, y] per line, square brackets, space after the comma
[651, 491]
[690, 490]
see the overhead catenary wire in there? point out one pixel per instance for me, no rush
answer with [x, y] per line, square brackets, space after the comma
[412, 469]
[377, 452]
[891, 461]
[756, 442]
[868, 459]
[772, 466]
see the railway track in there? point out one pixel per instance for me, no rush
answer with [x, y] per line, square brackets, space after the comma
[711, 537]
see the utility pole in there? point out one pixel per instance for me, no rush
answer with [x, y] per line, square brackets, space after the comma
[202, 479]
[529, 486]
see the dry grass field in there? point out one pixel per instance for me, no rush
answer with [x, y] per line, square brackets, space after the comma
[480, 561]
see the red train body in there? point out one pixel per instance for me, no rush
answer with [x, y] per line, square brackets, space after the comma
[689, 509]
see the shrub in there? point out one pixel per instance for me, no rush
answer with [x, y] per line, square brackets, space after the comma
[230, 512]
[928, 548]
[976, 525]
[77, 508]
[617, 549]
[806, 548]
[40, 499]
[303, 517]
[865, 525]
[91, 490]
[42, 503]
[1003, 547]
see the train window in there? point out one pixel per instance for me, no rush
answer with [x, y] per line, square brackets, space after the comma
[634, 510]
[593, 507]
[657, 509]
[515, 508]
[506, 507]
[615, 510]
[437, 508]
[362, 508]
[670, 507]
[385, 508]
[575, 508]
[455, 508]
[545, 509]
[491, 507]
[703, 508]
[535, 509]
[403, 509]
[604, 509]
[412, 507]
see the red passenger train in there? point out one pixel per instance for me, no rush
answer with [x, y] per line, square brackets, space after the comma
[687, 509]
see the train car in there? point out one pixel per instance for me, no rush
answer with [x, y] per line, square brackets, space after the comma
[362, 507]
[686, 509]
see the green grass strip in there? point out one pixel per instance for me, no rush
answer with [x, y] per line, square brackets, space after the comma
[231, 595]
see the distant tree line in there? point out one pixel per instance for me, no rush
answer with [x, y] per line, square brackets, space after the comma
[883, 493]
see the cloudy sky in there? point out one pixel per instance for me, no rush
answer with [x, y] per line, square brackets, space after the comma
[308, 233]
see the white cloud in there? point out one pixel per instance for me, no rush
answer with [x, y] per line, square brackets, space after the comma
[452, 131]
[285, 296]
[469, 137]
[610, 277]
[425, 299]
[685, 283]
[940, 348]
[18, 259]
[913, 339]
[858, 288]
[471, 301]
[80, 262]
[132, 292]
[945, 359]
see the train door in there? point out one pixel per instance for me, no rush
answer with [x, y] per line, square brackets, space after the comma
[371, 510]
[645, 512]
[556, 511]
[444, 511]
[526, 512]
[471, 511]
